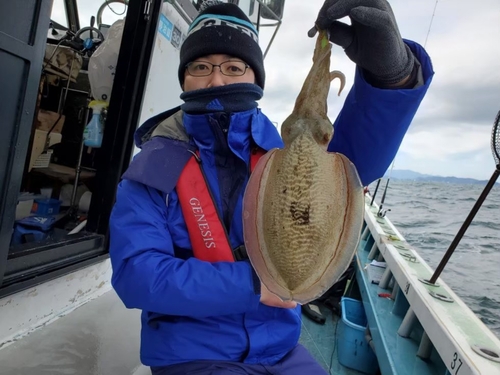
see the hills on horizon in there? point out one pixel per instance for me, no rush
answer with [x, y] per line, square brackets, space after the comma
[406, 174]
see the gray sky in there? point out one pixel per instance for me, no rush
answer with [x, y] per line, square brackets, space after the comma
[450, 134]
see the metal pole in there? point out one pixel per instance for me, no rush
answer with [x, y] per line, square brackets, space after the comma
[407, 324]
[385, 279]
[78, 168]
[365, 233]
[425, 348]
[272, 39]
[373, 251]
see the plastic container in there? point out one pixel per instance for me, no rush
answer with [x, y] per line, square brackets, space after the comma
[24, 234]
[353, 349]
[46, 207]
[33, 228]
[93, 132]
[46, 192]
[24, 205]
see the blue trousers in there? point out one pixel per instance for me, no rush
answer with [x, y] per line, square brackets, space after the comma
[298, 362]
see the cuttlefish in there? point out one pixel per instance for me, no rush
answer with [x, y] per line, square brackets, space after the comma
[303, 205]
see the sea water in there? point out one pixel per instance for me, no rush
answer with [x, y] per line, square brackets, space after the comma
[429, 214]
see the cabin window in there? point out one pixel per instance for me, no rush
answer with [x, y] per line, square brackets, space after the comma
[248, 6]
[105, 12]
[58, 13]
[276, 7]
[59, 177]
[69, 179]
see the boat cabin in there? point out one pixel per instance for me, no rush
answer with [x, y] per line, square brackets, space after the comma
[73, 95]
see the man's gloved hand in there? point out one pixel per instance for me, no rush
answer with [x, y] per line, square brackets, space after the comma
[372, 41]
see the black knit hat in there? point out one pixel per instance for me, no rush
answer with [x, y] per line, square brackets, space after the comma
[223, 29]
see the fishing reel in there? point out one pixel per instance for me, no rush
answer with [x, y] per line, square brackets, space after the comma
[381, 212]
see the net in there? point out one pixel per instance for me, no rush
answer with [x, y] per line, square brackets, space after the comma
[495, 139]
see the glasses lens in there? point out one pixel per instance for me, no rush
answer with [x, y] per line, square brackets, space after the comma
[228, 68]
[233, 68]
[199, 68]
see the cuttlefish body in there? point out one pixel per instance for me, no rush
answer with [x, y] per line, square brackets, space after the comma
[303, 206]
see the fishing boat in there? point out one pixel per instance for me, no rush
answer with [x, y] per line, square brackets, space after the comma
[58, 311]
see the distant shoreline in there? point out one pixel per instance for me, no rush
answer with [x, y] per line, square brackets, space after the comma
[404, 174]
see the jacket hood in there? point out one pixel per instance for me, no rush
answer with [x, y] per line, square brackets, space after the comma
[171, 119]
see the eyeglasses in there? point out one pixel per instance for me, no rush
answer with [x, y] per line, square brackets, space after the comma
[228, 68]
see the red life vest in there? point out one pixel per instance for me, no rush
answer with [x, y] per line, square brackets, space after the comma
[209, 238]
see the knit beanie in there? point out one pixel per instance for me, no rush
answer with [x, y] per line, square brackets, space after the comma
[223, 28]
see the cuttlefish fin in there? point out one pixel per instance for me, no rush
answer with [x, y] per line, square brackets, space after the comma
[253, 234]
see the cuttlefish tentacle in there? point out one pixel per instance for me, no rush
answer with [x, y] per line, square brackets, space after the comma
[311, 103]
[317, 83]
[338, 74]
[303, 206]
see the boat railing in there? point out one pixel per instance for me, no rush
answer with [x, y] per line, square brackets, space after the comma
[420, 324]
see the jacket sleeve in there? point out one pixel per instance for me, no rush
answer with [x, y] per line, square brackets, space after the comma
[373, 121]
[147, 276]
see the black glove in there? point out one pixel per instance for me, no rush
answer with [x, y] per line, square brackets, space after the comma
[372, 41]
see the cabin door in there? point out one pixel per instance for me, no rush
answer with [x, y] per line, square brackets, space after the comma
[23, 31]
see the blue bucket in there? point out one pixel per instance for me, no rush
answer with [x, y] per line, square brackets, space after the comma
[353, 349]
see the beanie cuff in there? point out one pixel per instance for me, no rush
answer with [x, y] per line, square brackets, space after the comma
[223, 29]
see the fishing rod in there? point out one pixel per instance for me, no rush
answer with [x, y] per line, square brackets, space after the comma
[381, 213]
[375, 193]
[495, 148]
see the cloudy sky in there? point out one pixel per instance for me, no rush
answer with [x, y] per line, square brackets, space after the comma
[450, 135]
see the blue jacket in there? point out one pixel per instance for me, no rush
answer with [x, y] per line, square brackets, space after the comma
[195, 310]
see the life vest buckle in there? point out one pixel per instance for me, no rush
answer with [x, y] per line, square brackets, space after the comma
[240, 253]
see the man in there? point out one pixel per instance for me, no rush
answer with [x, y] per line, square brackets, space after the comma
[214, 317]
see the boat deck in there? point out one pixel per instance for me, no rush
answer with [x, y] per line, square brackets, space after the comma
[414, 333]
[400, 353]
[98, 338]
[102, 338]
[321, 341]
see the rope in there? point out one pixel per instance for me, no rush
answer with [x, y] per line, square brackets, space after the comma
[430, 24]
[118, 14]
